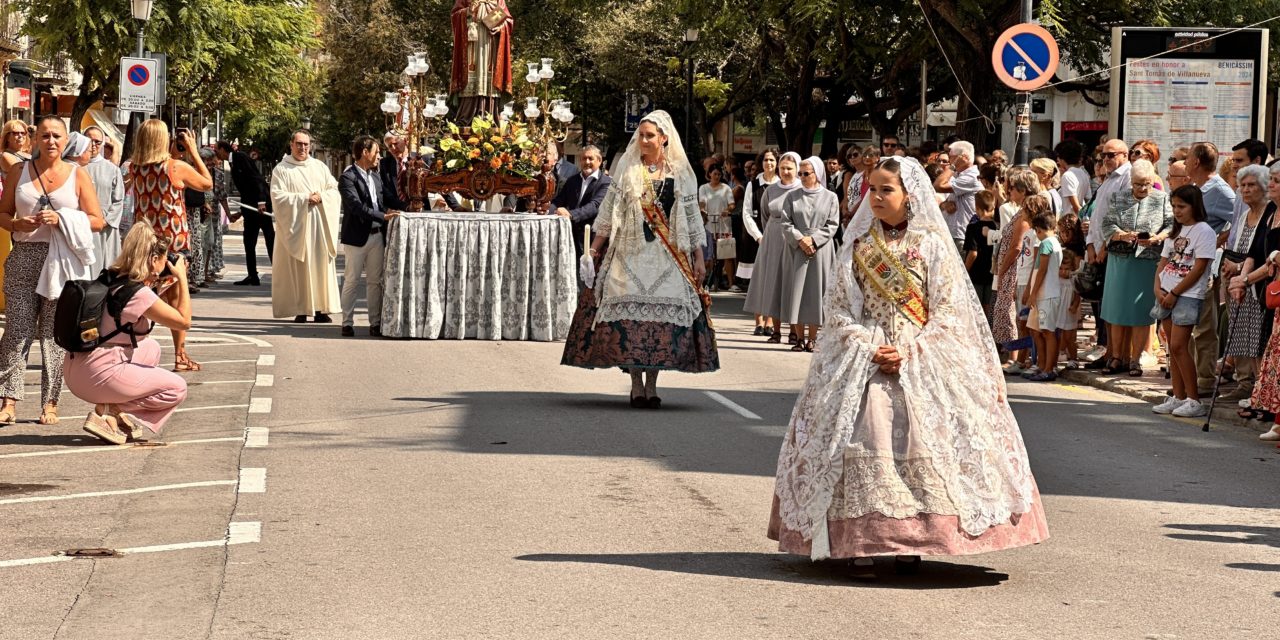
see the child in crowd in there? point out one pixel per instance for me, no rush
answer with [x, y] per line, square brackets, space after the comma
[1045, 294]
[978, 249]
[1071, 236]
[1032, 205]
[1182, 282]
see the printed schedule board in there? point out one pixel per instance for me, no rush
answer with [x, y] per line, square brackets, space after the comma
[1196, 89]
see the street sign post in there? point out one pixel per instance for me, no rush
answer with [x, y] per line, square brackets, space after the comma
[162, 77]
[638, 106]
[138, 84]
[1025, 57]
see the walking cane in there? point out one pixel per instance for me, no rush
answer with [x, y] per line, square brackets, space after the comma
[1217, 375]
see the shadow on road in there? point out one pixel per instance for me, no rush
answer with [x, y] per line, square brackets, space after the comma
[791, 569]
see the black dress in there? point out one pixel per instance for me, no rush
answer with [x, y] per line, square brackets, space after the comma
[748, 247]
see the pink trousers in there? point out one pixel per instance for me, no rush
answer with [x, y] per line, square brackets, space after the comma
[129, 379]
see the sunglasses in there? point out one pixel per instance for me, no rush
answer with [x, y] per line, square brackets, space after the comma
[1113, 154]
[805, 174]
[890, 145]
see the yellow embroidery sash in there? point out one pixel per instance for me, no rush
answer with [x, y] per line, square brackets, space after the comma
[891, 279]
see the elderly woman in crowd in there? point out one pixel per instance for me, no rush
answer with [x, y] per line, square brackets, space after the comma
[1136, 224]
[1256, 271]
[38, 196]
[1247, 313]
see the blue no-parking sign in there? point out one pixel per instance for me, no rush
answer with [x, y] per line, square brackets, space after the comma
[1025, 57]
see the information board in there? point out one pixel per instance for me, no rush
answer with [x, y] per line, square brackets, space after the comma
[1181, 86]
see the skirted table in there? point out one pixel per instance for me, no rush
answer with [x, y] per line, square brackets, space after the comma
[479, 275]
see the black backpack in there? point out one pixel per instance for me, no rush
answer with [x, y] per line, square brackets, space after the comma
[80, 308]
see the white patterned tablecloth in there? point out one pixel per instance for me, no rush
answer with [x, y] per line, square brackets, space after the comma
[479, 275]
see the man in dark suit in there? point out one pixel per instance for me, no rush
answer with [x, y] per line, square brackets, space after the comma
[363, 236]
[255, 206]
[582, 194]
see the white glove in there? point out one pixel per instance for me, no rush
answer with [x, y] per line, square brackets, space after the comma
[587, 268]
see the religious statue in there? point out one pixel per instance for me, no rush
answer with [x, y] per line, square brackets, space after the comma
[481, 56]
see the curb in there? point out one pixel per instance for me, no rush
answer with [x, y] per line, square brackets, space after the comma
[1222, 416]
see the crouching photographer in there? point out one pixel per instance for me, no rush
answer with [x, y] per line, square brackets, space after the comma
[110, 360]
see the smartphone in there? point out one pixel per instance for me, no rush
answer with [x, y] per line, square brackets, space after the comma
[1143, 235]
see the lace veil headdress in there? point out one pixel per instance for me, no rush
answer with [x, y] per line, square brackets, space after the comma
[626, 218]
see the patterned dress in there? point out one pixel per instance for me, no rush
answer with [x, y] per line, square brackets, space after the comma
[640, 344]
[158, 202]
[1005, 312]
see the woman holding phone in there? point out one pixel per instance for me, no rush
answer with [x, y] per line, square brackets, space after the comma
[158, 177]
[36, 193]
[122, 377]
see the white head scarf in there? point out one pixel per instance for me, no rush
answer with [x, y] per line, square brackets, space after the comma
[794, 157]
[819, 172]
[77, 144]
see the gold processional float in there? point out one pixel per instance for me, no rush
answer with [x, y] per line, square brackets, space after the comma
[482, 158]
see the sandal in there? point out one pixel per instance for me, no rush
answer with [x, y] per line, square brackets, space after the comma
[798, 346]
[808, 346]
[1116, 367]
[1135, 370]
[49, 414]
[182, 362]
[9, 415]
[1251, 413]
[774, 338]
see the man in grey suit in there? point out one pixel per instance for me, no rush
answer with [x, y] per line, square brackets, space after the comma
[580, 198]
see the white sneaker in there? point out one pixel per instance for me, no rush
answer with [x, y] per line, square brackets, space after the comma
[1094, 353]
[1012, 369]
[1072, 364]
[1165, 408]
[1148, 360]
[1191, 409]
[1271, 436]
[1245, 404]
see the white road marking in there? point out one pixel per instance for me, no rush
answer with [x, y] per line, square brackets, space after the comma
[218, 406]
[121, 492]
[733, 406]
[256, 437]
[71, 450]
[224, 361]
[237, 533]
[260, 405]
[253, 480]
[204, 382]
[265, 380]
[266, 360]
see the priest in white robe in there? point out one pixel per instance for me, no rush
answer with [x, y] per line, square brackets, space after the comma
[304, 274]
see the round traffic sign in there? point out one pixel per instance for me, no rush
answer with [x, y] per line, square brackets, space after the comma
[138, 75]
[1025, 57]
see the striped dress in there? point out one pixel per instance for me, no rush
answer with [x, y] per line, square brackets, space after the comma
[159, 202]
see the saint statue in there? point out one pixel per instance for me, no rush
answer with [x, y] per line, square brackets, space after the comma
[481, 55]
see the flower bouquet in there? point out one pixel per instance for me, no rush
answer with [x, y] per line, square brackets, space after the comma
[480, 161]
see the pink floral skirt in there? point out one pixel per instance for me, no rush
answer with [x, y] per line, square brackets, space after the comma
[926, 534]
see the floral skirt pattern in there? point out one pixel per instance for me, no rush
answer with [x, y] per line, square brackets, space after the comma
[1004, 315]
[638, 344]
[1266, 391]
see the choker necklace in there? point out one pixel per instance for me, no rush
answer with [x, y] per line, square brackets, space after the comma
[652, 167]
[894, 230]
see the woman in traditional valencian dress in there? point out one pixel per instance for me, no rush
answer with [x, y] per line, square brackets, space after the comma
[647, 312]
[889, 452]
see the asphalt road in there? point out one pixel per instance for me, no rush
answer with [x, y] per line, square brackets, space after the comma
[480, 490]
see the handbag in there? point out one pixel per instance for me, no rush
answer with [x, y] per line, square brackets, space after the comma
[1273, 294]
[726, 248]
[1089, 281]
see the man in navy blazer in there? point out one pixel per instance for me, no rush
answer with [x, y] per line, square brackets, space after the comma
[580, 198]
[364, 219]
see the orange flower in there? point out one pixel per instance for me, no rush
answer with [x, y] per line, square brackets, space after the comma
[473, 141]
[495, 163]
[475, 153]
[496, 139]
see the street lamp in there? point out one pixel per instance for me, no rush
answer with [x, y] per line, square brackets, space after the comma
[142, 13]
[306, 122]
[690, 38]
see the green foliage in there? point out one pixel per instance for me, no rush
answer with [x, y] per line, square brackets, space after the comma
[232, 54]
